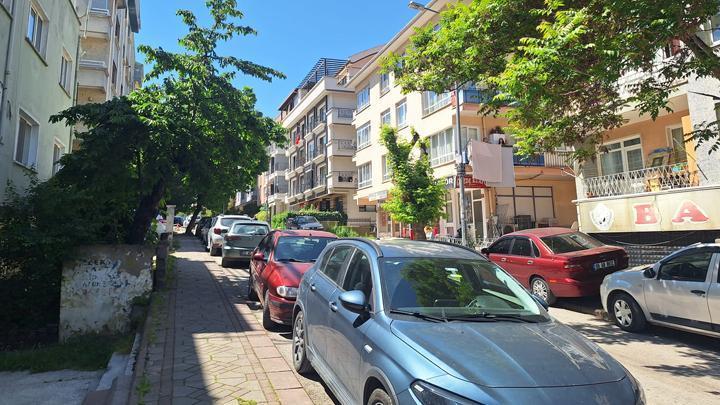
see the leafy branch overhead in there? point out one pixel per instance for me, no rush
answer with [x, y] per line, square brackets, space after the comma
[417, 197]
[559, 64]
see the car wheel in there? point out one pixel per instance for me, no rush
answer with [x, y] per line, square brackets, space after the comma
[268, 323]
[379, 397]
[541, 288]
[214, 251]
[251, 295]
[299, 351]
[224, 262]
[626, 313]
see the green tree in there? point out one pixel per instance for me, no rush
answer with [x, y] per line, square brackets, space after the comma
[417, 197]
[558, 63]
[194, 129]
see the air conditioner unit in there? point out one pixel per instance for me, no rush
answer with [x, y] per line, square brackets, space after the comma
[499, 138]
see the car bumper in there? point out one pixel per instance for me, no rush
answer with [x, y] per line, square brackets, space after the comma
[281, 309]
[231, 252]
[569, 287]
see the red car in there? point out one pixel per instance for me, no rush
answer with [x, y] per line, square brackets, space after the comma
[277, 265]
[556, 262]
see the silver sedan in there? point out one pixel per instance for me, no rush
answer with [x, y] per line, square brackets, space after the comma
[681, 291]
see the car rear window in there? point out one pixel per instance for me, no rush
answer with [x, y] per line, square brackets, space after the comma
[229, 221]
[306, 220]
[570, 242]
[250, 229]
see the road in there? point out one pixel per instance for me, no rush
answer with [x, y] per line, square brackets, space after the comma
[673, 367]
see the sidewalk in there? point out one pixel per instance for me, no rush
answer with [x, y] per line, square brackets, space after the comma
[203, 343]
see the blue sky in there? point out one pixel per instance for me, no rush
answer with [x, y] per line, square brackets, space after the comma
[292, 35]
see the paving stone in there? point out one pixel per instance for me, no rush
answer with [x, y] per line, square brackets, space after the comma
[284, 380]
[295, 396]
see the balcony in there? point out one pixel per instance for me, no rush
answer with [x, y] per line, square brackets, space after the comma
[547, 159]
[92, 73]
[342, 180]
[341, 147]
[652, 179]
[476, 96]
[273, 198]
[340, 116]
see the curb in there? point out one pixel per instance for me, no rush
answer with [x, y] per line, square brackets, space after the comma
[114, 385]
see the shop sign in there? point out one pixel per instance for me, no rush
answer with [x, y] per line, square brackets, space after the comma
[470, 182]
[694, 210]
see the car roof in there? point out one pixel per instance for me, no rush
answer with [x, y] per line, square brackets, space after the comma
[412, 248]
[540, 232]
[250, 221]
[300, 232]
[234, 216]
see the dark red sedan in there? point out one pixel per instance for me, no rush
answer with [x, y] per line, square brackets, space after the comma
[276, 268]
[557, 262]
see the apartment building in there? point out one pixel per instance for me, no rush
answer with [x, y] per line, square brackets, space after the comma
[107, 65]
[648, 187]
[319, 171]
[542, 195]
[39, 42]
[272, 186]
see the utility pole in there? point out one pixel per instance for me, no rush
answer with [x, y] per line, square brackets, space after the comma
[460, 156]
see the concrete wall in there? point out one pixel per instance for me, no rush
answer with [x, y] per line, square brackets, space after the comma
[33, 86]
[702, 109]
[98, 288]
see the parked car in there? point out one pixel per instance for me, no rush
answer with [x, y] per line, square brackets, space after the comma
[680, 291]
[303, 222]
[410, 322]
[556, 262]
[200, 224]
[276, 267]
[241, 240]
[206, 230]
[220, 226]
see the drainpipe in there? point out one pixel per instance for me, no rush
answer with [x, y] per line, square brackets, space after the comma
[6, 69]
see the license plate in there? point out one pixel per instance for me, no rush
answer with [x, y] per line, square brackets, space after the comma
[604, 265]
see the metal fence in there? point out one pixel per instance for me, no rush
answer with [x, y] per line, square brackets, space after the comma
[639, 255]
[640, 181]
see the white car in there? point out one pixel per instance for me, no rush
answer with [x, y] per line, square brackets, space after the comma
[218, 229]
[681, 291]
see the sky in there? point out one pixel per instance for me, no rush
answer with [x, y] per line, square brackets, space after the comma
[292, 35]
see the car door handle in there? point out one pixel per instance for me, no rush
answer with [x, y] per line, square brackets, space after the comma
[698, 292]
[530, 262]
[333, 307]
[312, 287]
[503, 259]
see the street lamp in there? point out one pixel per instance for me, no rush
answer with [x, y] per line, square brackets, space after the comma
[458, 140]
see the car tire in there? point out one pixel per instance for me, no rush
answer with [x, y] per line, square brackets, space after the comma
[267, 322]
[626, 313]
[299, 349]
[224, 262]
[379, 397]
[541, 288]
[214, 251]
[251, 294]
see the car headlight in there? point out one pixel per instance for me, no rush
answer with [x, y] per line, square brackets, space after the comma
[637, 390]
[287, 292]
[431, 395]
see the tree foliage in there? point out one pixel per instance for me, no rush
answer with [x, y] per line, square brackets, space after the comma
[558, 63]
[417, 197]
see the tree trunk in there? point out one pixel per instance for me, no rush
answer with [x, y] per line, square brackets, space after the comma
[144, 214]
[198, 208]
[418, 232]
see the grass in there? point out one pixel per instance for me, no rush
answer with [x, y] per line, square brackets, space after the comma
[246, 402]
[143, 388]
[90, 352]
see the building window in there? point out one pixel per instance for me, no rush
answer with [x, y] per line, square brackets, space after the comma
[715, 28]
[672, 48]
[386, 169]
[65, 71]
[433, 101]
[363, 136]
[363, 98]
[321, 175]
[114, 73]
[449, 208]
[385, 118]
[401, 114]
[441, 147]
[365, 175]
[37, 27]
[676, 140]
[621, 156]
[26, 143]
[99, 5]
[117, 32]
[384, 83]
[58, 152]
[468, 134]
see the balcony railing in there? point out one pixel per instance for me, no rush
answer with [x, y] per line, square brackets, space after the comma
[547, 159]
[345, 177]
[642, 181]
[345, 112]
[345, 144]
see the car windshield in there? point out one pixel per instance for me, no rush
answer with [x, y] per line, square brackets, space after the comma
[300, 248]
[455, 288]
[250, 229]
[306, 220]
[570, 242]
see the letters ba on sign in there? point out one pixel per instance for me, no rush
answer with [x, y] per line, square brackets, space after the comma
[696, 210]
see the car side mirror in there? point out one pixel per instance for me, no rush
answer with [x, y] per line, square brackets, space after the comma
[649, 273]
[541, 301]
[354, 301]
[259, 256]
[485, 251]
